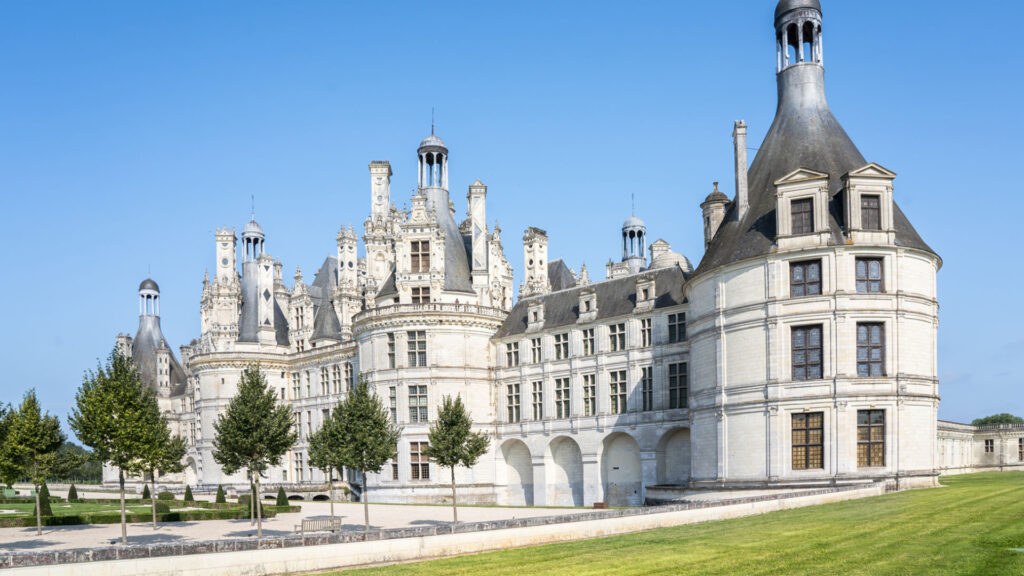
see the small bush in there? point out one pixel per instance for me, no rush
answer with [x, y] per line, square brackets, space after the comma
[282, 498]
[146, 494]
[244, 501]
[188, 494]
[72, 494]
[165, 496]
[162, 507]
[220, 495]
[44, 502]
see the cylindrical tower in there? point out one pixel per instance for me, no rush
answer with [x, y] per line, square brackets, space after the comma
[634, 238]
[149, 298]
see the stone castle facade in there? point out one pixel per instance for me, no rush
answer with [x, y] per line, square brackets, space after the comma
[801, 351]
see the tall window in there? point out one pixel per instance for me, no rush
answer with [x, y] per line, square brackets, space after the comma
[990, 446]
[298, 466]
[869, 275]
[512, 354]
[350, 378]
[300, 318]
[419, 252]
[538, 400]
[870, 350]
[417, 404]
[645, 332]
[647, 388]
[394, 464]
[806, 353]
[805, 278]
[676, 327]
[325, 415]
[535, 349]
[562, 397]
[325, 384]
[512, 400]
[296, 385]
[802, 216]
[677, 385]
[870, 438]
[420, 295]
[336, 378]
[309, 384]
[588, 342]
[418, 459]
[417, 346]
[393, 403]
[391, 350]
[808, 441]
[870, 212]
[561, 346]
[617, 385]
[589, 394]
[617, 337]
[309, 424]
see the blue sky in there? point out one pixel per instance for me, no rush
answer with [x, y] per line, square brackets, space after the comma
[132, 130]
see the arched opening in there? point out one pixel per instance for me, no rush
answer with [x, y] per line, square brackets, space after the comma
[295, 497]
[674, 457]
[792, 42]
[563, 465]
[807, 37]
[621, 473]
[518, 471]
[191, 472]
[321, 498]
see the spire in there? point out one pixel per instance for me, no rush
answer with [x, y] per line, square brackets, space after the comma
[584, 276]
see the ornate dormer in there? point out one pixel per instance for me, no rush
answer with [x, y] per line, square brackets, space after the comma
[869, 205]
[645, 293]
[802, 209]
[535, 315]
[587, 305]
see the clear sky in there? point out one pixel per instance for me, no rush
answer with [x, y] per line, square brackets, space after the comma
[130, 131]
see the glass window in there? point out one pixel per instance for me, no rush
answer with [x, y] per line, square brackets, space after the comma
[589, 394]
[870, 212]
[802, 212]
[325, 384]
[418, 459]
[808, 441]
[870, 350]
[512, 403]
[676, 327]
[561, 346]
[617, 337]
[677, 386]
[588, 342]
[990, 446]
[419, 252]
[562, 397]
[336, 378]
[512, 354]
[538, 400]
[807, 353]
[805, 278]
[393, 403]
[535, 350]
[645, 332]
[391, 350]
[617, 384]
[647, 388]
[421, 295]
[350, 378]
[870, 438]
[869, 275]
[417, 347]
[417, 404]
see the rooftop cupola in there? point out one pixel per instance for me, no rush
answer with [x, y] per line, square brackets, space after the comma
[798, 33]
[433, 161]
[634, 238]
[149, 298]
[252, 241]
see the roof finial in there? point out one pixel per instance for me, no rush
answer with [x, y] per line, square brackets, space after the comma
[252, 207]
[632, 197]
[431, 120]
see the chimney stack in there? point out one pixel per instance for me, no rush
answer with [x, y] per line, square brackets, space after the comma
[739, 139]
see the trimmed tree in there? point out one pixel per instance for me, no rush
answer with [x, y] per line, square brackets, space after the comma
[31, 447]
[282, 498]
[254, 432]
[72, 494]
[188, 494]
[110, 416]
[164, 453]
[326, 450]
[452, 441]
[366, 434]
[146, 492]
[220, 495]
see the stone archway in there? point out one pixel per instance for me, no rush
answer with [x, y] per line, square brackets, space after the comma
[563, 466]
[621, 473]
[674, 457]
[191, 473]
[518, 473]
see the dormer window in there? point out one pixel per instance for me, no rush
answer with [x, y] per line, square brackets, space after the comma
[587, 305]
[869, 205]
[535, 316]
[802, 212]
[645, 293]
[419, 254]
[870, 212]
[802, 198]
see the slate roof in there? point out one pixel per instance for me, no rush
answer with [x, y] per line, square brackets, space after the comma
[147, 341]
[804, 134]
[325, 319]
[560, 276]
[614, 298]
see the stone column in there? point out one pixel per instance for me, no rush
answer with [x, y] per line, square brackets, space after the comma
[785, 47]
[540, 481]
[648, 472]
[593, 489]
[800, 42]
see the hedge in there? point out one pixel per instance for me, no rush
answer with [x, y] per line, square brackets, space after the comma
[115, 517]
[165, 496]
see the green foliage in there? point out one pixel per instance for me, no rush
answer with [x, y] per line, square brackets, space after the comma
[364, 432]
[452, 440]
[255, 431]
[76, 464]
[282, 498]
[245, 500]
[146, 494]
[220, 495]
[44, 501]
[1003, 418]
[162, 507]
[188, 494]
[72, 494]
[32, 440]
[165, 496]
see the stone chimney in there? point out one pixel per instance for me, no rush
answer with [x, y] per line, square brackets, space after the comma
[739, 140]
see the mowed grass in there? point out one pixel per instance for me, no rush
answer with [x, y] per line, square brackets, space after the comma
[61, 509]
[966, 527]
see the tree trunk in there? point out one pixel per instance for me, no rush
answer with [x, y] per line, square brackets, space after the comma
[455, 509]
[252, 501]
[124, 520]
[152, 496]
[39, 511]
[366, 504]
[259, 510]
[330, 478]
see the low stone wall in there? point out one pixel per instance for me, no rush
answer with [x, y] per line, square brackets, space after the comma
[277, 555]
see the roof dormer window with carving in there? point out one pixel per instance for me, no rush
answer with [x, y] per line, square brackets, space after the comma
[802, 209]
[869, 205]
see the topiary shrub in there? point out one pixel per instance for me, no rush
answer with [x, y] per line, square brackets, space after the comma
[220, 495]
[282, 498]
[165, 496]
[188, 494]
[44, 502]
[72, 494]
[146, 494]
[162, 508]
[244, 501]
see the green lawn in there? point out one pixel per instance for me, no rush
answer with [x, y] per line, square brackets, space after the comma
[966, 527]
[62, 509]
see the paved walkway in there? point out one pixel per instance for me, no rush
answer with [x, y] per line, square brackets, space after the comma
[381, 516]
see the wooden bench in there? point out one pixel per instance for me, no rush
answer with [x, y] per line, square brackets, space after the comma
[319, 525]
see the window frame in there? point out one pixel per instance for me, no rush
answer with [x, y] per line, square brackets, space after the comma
[590, 394]
[513, 400]
[647, 388]
[806, 225]
[865, 279]
[646, 333]
[418, 404]
[589, 348]
[868, 362]
[536, 351]
[562, 346]
[563, 398]
[807, 365]
[420, 294]
[416, 347]
[391, 350]
[990, 446]
[419, 256]
[512, 354]
[419, 463]
[805, 285]
[874, 225]
[678, 385]
[618, 391]
[677, 327]
[872, 460]
[802, 437]
[538, 399]
[617, 337]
